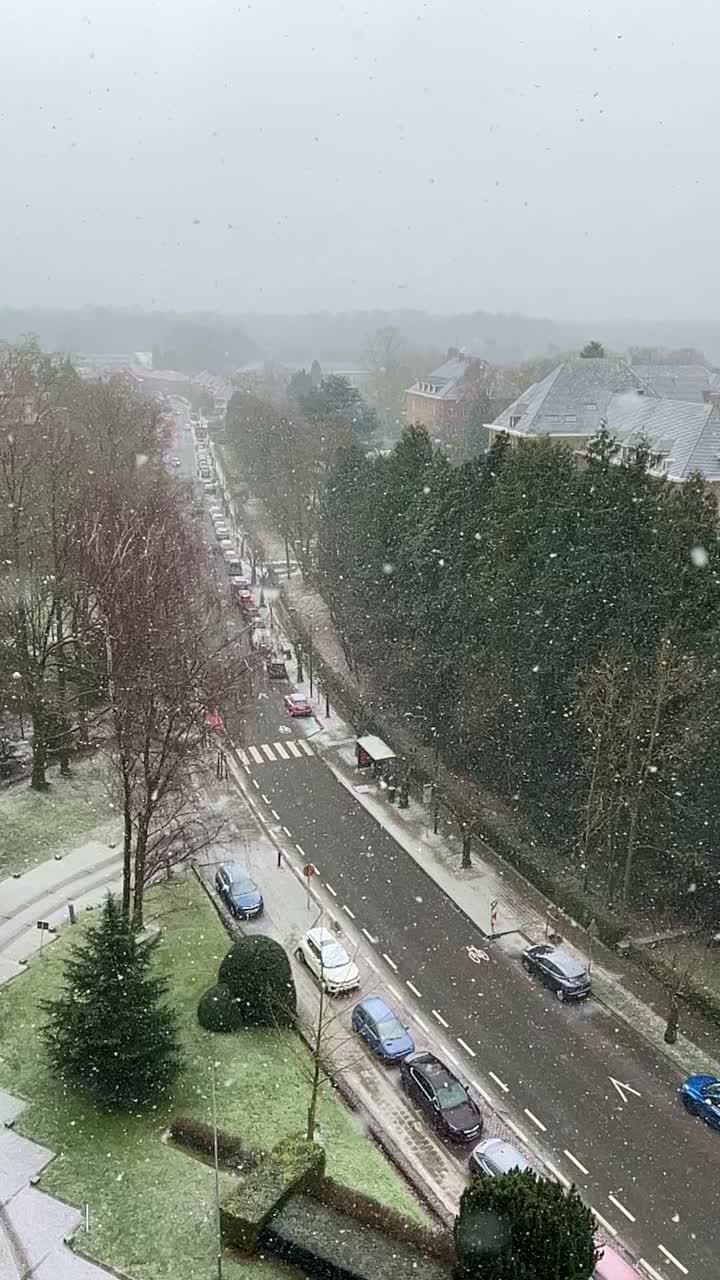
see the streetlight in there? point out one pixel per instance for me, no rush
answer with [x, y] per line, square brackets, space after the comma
[218, 1227]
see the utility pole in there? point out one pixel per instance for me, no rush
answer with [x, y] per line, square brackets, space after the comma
[310, 660]
[218, 1227]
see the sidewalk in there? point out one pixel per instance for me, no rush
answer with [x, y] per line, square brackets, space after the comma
[627, 991]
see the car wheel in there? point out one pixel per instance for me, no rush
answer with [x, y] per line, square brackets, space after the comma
[560, 994]
[300, 955]
[526, 965]
[690, 1106]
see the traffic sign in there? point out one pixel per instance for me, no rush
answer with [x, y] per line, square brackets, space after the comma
[309, 869]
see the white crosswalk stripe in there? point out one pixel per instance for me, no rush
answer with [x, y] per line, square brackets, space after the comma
[244, 757]
[268, 751]
[256, 755]
[278, 746]
[305, 746]
[293, 749]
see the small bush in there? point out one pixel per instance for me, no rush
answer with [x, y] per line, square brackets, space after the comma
[218, 1010]
[257, 972]
[232, 1153]
[433, 1242]
[292, 1165]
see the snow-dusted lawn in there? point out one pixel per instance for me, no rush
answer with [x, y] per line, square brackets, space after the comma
[35, 825]
[151, 1207]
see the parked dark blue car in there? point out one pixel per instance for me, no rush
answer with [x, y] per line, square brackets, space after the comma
[382, 1029]
[701, 1095]
[240, 892]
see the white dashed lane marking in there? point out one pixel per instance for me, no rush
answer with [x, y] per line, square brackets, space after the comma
[539, 1123]
[369, 936]
[332, 891]
[466, 1047]
[618, 1205]
[350, 913]
[412, 987]
[287, 833]
[575, 1161]
[392, 963]
[671, 1258]
[500, 1083]
[440, 1018]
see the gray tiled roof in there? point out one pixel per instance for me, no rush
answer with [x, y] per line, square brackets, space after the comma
[676, 381]
[447, 379]
[570, 401]
[685, 432]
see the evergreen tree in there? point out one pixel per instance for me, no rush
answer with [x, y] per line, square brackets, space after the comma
[110, 1031]
[593, 350]
[523, 1227]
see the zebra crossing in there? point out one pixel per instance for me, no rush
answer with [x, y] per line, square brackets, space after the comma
[270, 753]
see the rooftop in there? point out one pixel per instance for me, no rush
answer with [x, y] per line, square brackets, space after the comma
[570, 401]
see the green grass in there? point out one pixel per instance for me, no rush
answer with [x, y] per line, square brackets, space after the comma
[35, 824]
[151, 1206]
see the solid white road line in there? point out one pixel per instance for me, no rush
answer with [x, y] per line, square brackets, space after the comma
[329, 886]
[305, 746]
[413, 989]
[268, 751]
[621, 1207]
[557, 1174]
[466, 1047]
[440, 1018]
[394, 991]
[483, 1092]
[655, 1275]
[293, 749]
[265, 798]
[452, 1058]
[256, 784]
[604, 1222]
[350, 913]
[256, 755]
[275, 815]
[498, 1081]
[539, 1123]
[575, 1161]
[287, 833]
[300, 849]
[392, 963]
[372, 963]
[671, 1258]
[280, 750]
[369, 936]
[422, 1024]
[246, 770]
[517, 1130]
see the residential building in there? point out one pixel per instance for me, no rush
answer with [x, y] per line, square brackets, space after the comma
[442, 400]
[691, 382]
[572, 403]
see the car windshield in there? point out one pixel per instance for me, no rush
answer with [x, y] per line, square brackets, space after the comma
[712, 1092]
[243, 884]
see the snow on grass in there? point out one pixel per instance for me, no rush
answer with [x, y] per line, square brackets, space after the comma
[151, 1206]
[35, 825]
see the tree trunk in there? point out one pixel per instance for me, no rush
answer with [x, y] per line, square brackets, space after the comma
[64, 738]
[38, 779]
[317, 1066]
[660, 689]
[139, 880]
[127, 839]
[466, 862]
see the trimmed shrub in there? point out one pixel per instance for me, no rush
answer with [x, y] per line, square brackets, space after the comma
[433, 1242]
[257, 972]
[330, 1246]
[292, 1165]
[232, 1153]
[218, 1010]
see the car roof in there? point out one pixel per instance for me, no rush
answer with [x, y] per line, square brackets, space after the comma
[434, 1070]
[571, 967]
[376, 1007]
[321, 935]
[297, 697]
[503, 1154]
[236, 871]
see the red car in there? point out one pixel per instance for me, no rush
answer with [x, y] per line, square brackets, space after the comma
[245, 599]
[297, 705]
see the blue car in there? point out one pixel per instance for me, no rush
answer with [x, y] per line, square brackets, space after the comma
[701, 1095]
[239, 891]
[382, 1029]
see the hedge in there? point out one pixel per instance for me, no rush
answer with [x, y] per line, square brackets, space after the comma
[257, 972]
[219, 1010]
[433, 1242]
[293, 1164]
[232, 1152]
[331, 1246]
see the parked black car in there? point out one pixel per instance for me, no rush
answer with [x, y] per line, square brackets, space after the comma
[239, 891]
[560, 972]
[444, 1099]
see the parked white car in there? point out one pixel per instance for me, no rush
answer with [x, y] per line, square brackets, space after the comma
[329, 961]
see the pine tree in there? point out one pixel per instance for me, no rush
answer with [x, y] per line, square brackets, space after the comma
[110, 1032]
[523, 1227]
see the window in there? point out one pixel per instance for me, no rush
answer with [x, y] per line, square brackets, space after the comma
[571, 417]
[590, 404]
[514, 420]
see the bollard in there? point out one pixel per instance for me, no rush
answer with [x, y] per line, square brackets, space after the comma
[71, 912]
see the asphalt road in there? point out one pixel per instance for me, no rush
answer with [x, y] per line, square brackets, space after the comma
[644, 1165]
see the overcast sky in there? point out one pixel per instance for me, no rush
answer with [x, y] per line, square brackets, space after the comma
[556, 158]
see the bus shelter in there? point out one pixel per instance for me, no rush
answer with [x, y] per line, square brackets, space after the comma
[373, 753]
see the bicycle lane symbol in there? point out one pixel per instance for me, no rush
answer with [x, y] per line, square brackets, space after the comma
[476, 955]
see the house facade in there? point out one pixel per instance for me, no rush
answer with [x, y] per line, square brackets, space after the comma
[442, 400]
